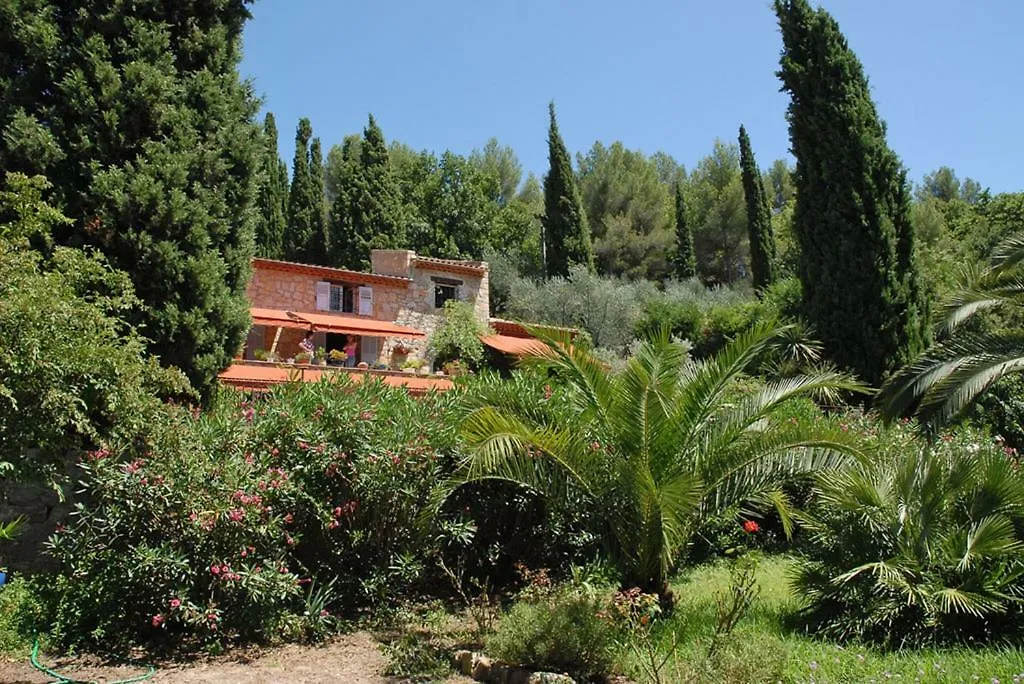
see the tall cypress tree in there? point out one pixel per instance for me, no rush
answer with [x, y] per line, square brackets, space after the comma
[305, 237]
[317, 248]
[367, 213]
[759, 218]
[273, 196]
[136, 114]
[852, 217]
[685, 259]
[566, 231]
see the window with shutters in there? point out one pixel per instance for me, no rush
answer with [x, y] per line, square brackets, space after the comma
[342, 298]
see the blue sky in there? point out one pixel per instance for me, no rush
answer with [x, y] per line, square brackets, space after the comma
[668, 75]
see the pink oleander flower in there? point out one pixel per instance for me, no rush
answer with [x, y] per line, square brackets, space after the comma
[158, 620]
[175, 603]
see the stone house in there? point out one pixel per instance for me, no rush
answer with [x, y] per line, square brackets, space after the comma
[396, 306]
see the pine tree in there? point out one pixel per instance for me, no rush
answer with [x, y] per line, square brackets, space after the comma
[685, 259]
[852, 216]
[566, 232]
[759, 218]
[273, 196]
[136, 114]
[301, 204]
[367, 212]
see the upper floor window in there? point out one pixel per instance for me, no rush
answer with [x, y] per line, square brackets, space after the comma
[342, 298]
[445, 289]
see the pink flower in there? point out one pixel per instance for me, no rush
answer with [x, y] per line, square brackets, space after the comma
[324, 613]
[288, 518]
[175, 603]
[751, 526]
[158, 620]
[215, 569]
[236, 515]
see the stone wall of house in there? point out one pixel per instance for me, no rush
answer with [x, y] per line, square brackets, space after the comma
[392, 262]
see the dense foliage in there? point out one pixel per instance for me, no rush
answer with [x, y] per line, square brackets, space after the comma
[663, 445]
[457, 337]
[942, 383]
[366, 213]
[72, 372]
[862, 289]
[917, 544]
[136, 114]
[215, 526]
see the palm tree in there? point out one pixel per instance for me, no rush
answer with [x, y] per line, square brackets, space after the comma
[659, 446]
[907, 549]
[940, 385]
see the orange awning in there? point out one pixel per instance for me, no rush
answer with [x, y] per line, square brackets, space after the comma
[256, 377]
[355, 325]
[275, 318]
[334, 323]
[519, 346]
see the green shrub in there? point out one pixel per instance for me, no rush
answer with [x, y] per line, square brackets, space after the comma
[1000, 410]
[19, 617]
[917, 545]
[72, 373]
[684, 319]
[458, 336]
[207, 526]
[565, 630]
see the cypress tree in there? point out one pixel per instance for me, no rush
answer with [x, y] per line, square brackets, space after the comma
[566, 231]
[852, 216]
[685, 259]
[136, 114]
[759, 218]
[273, 196]
[367, 212]
[317, 247]
[301, 208]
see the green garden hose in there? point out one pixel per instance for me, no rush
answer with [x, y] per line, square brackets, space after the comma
[61, 679]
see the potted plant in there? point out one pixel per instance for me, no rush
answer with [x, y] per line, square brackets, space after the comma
[410, 365]
[260, 354]
[303, 357]
[321, 356]
[336, 357]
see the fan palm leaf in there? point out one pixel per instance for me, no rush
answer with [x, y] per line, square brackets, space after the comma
[945, 380]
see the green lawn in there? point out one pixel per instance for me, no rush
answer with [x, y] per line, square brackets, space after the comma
[762, 649]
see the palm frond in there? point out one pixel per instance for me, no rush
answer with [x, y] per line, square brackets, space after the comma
[988, 538]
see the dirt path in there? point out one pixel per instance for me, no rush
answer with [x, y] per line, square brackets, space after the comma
[348, 659]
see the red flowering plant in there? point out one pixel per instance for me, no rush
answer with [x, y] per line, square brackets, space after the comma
[216, 523]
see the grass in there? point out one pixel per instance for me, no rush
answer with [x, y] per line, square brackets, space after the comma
[763, 649]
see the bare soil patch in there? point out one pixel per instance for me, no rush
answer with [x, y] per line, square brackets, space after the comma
[351, 658]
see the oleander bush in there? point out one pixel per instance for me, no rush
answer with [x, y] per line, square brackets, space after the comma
[234, 523]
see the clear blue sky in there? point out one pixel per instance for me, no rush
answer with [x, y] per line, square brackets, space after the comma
[667, 75]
